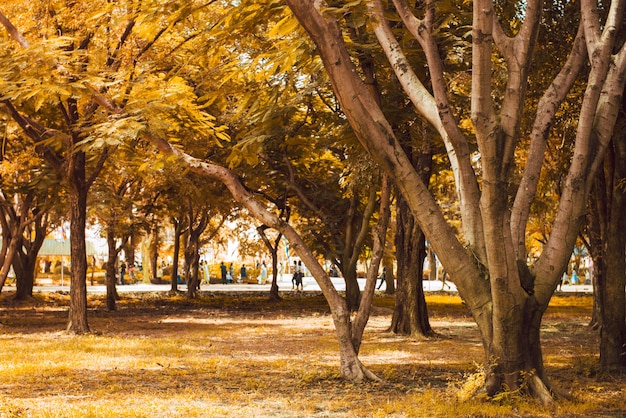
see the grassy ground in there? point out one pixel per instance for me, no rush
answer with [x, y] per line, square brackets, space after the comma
[227, 355]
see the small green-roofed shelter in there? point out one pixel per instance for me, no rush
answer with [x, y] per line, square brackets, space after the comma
[61, 247]
[56, 247]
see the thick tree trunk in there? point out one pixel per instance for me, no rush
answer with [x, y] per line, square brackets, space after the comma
[78, 215]
[410, 315]
[353, 292]
[27, 265]
[613, 307]
[528, 370]
[24, 279]
[613, 329]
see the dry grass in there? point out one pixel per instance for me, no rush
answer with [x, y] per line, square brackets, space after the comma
[229, 355]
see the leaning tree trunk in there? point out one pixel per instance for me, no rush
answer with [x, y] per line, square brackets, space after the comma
[78, 215]
[410, 315]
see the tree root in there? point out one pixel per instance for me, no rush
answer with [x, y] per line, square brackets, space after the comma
[370, 375]
[540, 390]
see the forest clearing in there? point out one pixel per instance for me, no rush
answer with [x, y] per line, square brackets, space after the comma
[163, 355]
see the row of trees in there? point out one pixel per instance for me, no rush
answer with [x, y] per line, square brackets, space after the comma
[486, 124]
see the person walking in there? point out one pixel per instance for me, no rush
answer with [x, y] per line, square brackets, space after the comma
[244, 273]
[122, 272]
[299, 276]
[294, 278]
[382, 278]
[224, 272]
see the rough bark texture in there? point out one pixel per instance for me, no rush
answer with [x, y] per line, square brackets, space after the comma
[26, 259]
[613, 301]
[78, 215]
[410, 315]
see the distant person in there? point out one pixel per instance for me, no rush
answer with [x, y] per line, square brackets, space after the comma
[263, 273]
[205, 272]
[333, 271]
[382, 278]
[122, 272]
[294, 278]
[299, 276]
[244, 273]
[224, 273]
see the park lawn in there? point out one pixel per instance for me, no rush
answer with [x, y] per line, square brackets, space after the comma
[240, 355]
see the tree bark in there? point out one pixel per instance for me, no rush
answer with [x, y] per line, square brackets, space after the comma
[613, 306]
[78, 216]
[111, 269]
[410, 315]
[27, 259]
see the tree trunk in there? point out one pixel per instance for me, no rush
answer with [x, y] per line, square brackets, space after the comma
[178, 230]
[613, 329]
[410, 315]
[110, 270]
[24, 276]
[613, 307]
[273, 249]
[353, 291]
[273, 295]
[154, 254]
[595, 230]
[78, 215]
[27, 256]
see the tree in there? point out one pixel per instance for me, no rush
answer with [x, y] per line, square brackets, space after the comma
[112, 203]
[93, 66]
[410, 315]
[608, 249]
[506, 297]
[25, 196]
[349, 331]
